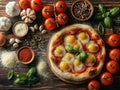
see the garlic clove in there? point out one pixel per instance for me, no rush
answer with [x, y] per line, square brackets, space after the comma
[30, 20]
[33, 17]
[32, 29]
[26, 20]
[23, 13]
[23, 17]
[28, 11]
[43, 31]
[17, 40]
[12, 40]
[15, 45]
[32, 12]
[36, 26]
[41, 27]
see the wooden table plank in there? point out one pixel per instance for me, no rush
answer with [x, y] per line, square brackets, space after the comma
[53, 83]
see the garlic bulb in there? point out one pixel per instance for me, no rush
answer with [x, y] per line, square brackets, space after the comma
[28, 15]
[12, 9]
[5, 24]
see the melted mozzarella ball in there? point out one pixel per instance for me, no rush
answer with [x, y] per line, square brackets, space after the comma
[64, 66]
[78, 66]
[90, 61]
[92, 47]
[68, 57]
[83, 37]
[59, 51]
[69, 40]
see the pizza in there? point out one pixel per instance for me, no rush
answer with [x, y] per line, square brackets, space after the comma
[76, 53]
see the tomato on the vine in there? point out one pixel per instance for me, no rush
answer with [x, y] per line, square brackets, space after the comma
[115, 54]
[62, 18]
[112, 67]
[36, 5]
[23, 4]
[94, 85]
[60, 6]
[106, 79]
[50, 23]
[114, 40]
[48, 11]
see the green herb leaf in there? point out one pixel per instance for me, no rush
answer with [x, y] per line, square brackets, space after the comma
[108, 22]
[22, 76]
[69, 48]
[10, 74]
[98, 16]
[76, 50]
[32, 80]
[106, 14]
[102, 8]
[101, 29]
[78, 57]
[18, 81]
[82, 56]
[114, 11]
[32, 71]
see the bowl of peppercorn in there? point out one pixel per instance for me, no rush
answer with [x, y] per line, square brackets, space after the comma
[82, 10]
[25, 55]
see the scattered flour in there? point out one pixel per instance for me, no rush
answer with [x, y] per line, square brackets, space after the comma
[9, 59]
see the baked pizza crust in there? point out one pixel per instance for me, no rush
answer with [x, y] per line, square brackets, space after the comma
[71, 77]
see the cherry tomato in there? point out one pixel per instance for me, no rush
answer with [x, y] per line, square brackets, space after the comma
[36, 5]
[62, 18]
[48, 11]
[94, 85]
[23, 4]
[106, 79]
[112, 67]
[50, 24]
[60, 6]
[114, 40]
[115, 54]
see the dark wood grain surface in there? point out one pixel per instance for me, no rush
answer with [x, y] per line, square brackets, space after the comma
[52, 82]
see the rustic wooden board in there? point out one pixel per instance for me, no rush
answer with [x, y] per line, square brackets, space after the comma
[53, 83]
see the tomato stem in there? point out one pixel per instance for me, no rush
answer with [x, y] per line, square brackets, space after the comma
[93, 87]
[35, 3]
[107, 78]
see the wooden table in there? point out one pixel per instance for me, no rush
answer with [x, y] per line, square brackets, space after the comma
[53, 83]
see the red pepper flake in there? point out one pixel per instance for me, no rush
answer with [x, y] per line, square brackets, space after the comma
[25, 55]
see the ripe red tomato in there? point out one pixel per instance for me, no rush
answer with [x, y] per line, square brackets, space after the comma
[48, 11]
[60, 6]
[106, 79]
[112, 67]
[50, 24]
[114, 40]
[62, 18]
[94, 85]
[23, 4]
[115, 54]
[36, 5]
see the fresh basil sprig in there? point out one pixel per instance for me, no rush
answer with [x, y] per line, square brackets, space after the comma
[106, 16]
[24, 78]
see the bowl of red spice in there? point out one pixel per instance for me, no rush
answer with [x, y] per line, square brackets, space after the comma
[25, 55]
[82, 10]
